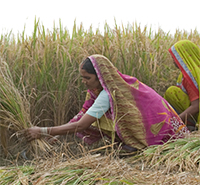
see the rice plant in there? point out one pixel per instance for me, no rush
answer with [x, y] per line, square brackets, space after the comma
[42, 87]
[14, 114]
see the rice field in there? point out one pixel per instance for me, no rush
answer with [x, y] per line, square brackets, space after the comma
[40, 85]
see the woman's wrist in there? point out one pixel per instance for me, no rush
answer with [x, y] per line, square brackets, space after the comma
[44, 131]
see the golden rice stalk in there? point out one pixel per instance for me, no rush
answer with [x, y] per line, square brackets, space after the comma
[180, 155]
[91, 169]
[14, 110]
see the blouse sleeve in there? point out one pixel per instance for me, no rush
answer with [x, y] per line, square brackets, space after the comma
[100, 106]
[192, 95]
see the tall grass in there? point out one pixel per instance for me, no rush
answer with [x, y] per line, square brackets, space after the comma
[45, 66]
[14, 115]
[14, 108]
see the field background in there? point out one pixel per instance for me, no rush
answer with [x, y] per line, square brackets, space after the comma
[43, 70]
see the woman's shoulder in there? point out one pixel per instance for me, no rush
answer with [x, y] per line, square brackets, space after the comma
[103, 95]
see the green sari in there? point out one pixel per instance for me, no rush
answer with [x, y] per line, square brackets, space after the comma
[187, 57]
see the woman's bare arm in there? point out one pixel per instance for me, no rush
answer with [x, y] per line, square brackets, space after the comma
[82, 124]
[191, 110]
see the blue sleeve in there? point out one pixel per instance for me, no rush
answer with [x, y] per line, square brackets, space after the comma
[100, 105]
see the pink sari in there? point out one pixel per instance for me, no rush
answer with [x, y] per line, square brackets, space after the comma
[139, 115]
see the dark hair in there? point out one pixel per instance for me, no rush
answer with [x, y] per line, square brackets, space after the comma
[87, 65]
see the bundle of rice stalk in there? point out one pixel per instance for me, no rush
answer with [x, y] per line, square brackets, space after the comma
[90, 169]
[14, 113]
[179, 155]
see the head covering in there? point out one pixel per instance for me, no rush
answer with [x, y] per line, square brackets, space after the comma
[140, 116]
[187, 57]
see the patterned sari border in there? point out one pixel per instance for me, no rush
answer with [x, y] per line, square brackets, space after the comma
[183, 66]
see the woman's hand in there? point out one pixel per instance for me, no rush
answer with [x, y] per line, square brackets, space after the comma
[33, 133]
[38, 132]
[190, 111]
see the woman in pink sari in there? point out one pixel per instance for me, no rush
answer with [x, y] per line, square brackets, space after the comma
[121, 106]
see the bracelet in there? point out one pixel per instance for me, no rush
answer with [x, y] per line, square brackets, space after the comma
[44, 130]
[50, 130]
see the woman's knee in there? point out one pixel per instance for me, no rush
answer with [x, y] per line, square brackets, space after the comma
[169, 92]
